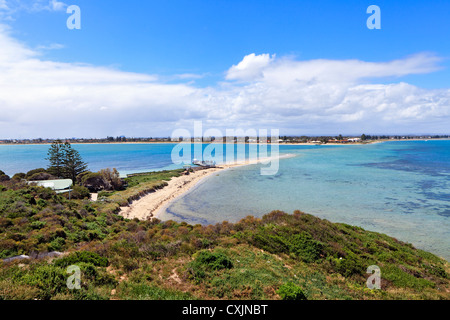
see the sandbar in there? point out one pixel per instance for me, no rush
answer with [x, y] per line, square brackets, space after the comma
[152, 205]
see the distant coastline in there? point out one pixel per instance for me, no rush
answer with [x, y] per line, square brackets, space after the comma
[210, 142]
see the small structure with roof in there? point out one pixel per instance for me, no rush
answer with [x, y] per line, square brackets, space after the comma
[205, 163]
[59, 186]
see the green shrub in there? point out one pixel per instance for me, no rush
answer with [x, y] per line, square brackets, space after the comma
[34, 171]
[112, 176]
[19, 176]
[79, 178]
[270, 242]
[80, 192]
[290, 291]
[304, 246]
[350, 265]
[206, 261]
[41, 176]
[404, 279]
[37, 225]
[213, 261]
[436, 270]
[45, 193]
[7, 253]
[106, 194]
[57, 244]
[82, 256]
[49, 279]
[95, 182]
[301, 244]
[14, 291]
[41, 202]
[140, 291]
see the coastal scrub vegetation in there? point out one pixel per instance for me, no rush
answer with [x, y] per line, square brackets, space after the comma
[279, 256]
[4, 176]
[104, 180]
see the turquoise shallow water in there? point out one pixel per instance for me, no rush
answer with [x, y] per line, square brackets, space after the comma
[398, 188]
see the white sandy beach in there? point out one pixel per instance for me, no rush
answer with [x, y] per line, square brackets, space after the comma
[153, 204]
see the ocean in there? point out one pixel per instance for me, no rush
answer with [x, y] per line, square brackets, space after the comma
[398, 188]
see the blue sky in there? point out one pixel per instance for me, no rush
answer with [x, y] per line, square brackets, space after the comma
[192, 46]
[169, 37]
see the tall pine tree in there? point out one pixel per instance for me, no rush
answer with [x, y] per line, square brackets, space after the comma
[65, 162]
[73, 163]
[55, 156]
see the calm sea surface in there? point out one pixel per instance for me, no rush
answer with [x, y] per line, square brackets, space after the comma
[398, 188]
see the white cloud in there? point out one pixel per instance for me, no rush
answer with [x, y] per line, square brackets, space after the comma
[40, 98]
[9, 7]
[3, 5]
[349, 71]
[184, 76]
[250, 68]
[57, 5]
[52, 46]
[12, 50]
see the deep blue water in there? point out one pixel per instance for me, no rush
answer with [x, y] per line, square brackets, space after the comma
[398, 188]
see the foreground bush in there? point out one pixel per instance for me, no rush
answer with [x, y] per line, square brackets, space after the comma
[80, 192]
[255, 258]
[95, 182]
[82, 256]
[290, 291]
[206, 261]
[282, 240]
[104, 180]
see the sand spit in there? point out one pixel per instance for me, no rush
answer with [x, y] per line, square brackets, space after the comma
[151, 205]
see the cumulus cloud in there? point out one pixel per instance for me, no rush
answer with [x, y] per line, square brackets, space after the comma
[284, 71]
[250, 68]
[332, 95]
[40, 98]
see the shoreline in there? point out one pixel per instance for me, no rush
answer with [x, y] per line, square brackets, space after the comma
[151, 206]
[249, 143]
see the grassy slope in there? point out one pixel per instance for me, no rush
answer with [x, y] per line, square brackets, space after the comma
[251, 259]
